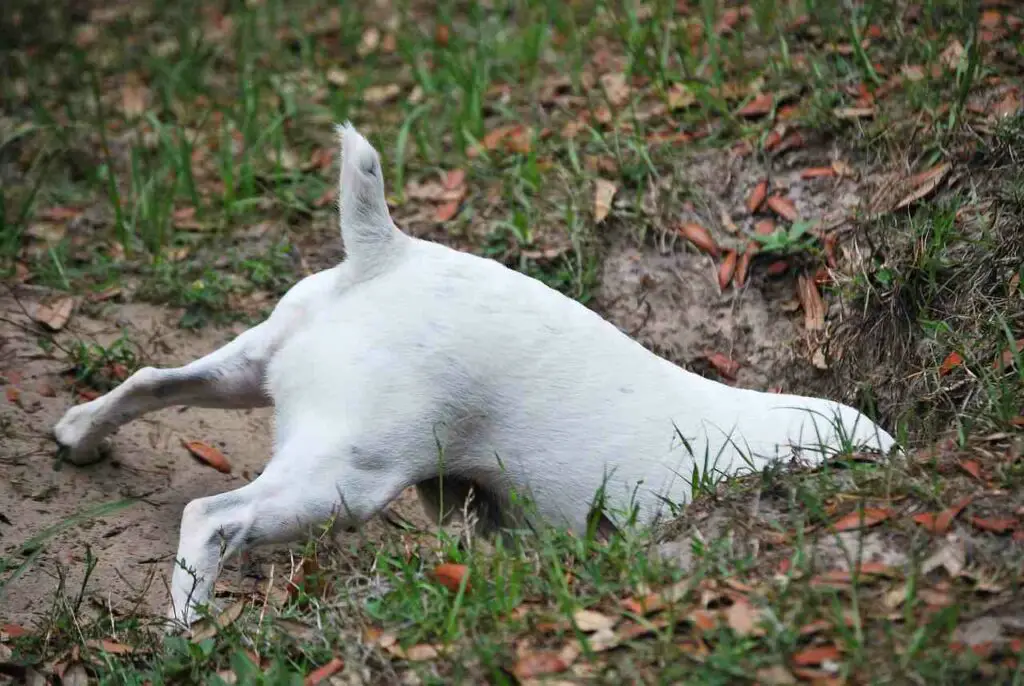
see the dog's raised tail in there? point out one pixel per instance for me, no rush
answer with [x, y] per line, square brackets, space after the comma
[366, 227]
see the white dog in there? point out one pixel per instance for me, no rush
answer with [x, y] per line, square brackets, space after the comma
[413, 364]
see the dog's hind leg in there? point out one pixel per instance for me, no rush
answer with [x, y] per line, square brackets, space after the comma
[229, 378]
[307, 484]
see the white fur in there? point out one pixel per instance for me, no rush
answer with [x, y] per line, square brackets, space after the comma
[410, 360]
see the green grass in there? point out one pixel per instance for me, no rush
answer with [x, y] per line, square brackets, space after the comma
[184, 152]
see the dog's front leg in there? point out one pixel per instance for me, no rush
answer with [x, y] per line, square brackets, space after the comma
[231, 377]
[297, 492]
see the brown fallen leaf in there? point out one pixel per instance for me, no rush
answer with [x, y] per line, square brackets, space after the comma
[743, 267]
[9, 631]
[743, 618]
[589, 621]
[857, 519]
[971, 467]
[777, 268]
[816, 655]
[854, 112]
[450, 575]
[783, 207]
[55, 315]
[726, 269]
[322, 673]
[378, 95]
[208, 454]
[757, 196]
[997, 525]
[817, 173]
[604, 192]
[1005, 360]
[446, 211]
[953, 360]
[920, 185]
[939, 522]
[700, 237]
[812, 303]
[58, 213]
[723, 364]
[765, 227]
[108, 646]
[13, 394]
[704, 620]
[776, 675]
[208, 629]
[531, 664]
[758, 107]
[616, 89]
[134, 95]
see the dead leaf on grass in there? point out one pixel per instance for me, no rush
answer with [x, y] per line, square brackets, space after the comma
[1005, 360]
[680, 97]
[743, 619]
[952, 54]
[952, 361]
[723, 364]
[776, 675]
[757, 196]
[870, 516]
[616, 89]
[783, 207]
[700, 237]
[322, 673]
[108, 646]
[812, 303]
[939, 522]
[997, 525]
[920, 185]
[208, 629]
[446, 211]
[589, 621]
[378, 95]
[817, 173]
[854, 112]
[208, 454]
[56, 314]
[531, 664]
[971, 467]
[765, 227]
[604, 192]
[134, 95]
[450, 575]
[758, 107]
[816, 655]
[726, 269]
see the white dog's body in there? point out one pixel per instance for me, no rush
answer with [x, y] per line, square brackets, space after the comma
[410, 360]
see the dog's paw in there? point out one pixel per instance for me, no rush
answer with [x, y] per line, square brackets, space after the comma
[78, 440]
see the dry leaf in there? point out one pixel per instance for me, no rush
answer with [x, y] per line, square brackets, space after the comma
[765, 227]
[108, 646]
[378, 95]
[450, 576]
[817, 655]
[723, 364]
[854, 112]
[971, 467]
[726, 269]
[857, 519]
[776, 675]
[757, 196]
[952, 55]
[924, 183]
[615, 88]
[604, 192]
[758, 107]
[783, 207]
[447, 211]
[369, 41]
[316, 676]
[336, 77]
[207, 629]
[939, 523]
[742, 267]
[589, 621]
[912, 72]
[704, 620]
[1006, 359]
[680, 97]
[817, 173]
[133, 99]
[539, 663]
[997, 525]
[777, 268]
[700, 237]
[55, 315]
[75, 675]
[742, 618]
[953, 360]
[812, 303]
[208, 454]
[1008, 106]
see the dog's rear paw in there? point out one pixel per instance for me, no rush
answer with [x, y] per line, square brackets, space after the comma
[78, 440]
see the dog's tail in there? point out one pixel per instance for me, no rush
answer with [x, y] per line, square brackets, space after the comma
[366, 227]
